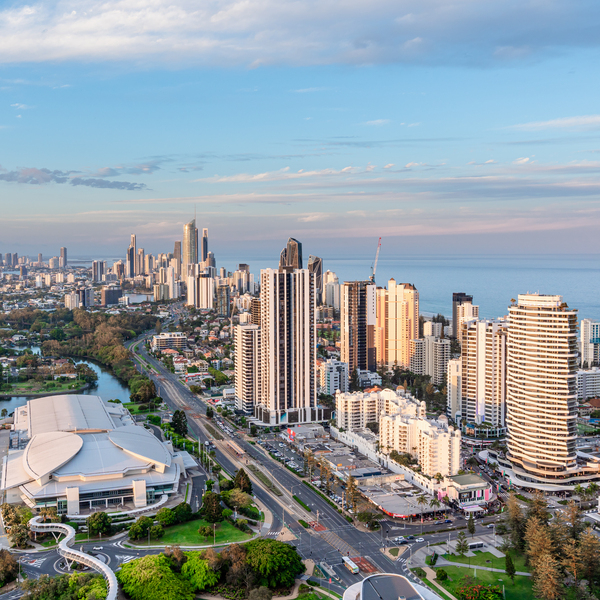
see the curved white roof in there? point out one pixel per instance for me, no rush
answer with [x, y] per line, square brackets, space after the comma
[141, 443]
[46, 452]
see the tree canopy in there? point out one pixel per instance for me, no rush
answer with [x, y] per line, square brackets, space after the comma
[275, 563]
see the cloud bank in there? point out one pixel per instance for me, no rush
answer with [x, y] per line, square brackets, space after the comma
[261, 32]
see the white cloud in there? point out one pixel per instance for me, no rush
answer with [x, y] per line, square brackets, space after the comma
[309, 90]
[378, 122]
[389, 166]
[21, 106]
[263, 32]
[581, 123]
[521, 161]
[281, 175]
[413, 164]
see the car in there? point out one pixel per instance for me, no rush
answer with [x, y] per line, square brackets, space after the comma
[490, 525]
[282, 445]
[448, 521]
[400, 537]
[97, 548]
[419, 540]
[410, 537]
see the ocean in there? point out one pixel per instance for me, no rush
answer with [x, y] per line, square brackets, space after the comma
[492, 280]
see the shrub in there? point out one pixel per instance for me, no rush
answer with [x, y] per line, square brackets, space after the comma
[441, 575]
[303, 523]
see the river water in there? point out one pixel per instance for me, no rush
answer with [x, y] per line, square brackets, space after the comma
[108, 387]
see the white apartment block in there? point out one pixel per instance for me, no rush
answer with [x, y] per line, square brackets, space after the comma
[72, 300]
[465, 312]
[590, 343]
[247, 367]
[430, 356]
[476, 383]
[176, 340]
[588, 383]
[397, 323]
[541, 388]
[333, 377]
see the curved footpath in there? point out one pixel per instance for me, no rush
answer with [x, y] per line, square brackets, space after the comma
[68, 553]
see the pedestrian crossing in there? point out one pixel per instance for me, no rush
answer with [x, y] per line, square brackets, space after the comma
[33, 562]
[124, 558]
[272, 534]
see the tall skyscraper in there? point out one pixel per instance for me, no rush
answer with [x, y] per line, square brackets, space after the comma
[590, 343]
[247, 367]
[291, 255]
[541, 388]
[140, 262]
[397, 324]
[130, 261]
[465, 312]
[204, 255]
[177, 256]
[357, 325]
[288, 347]
[480, 392]
[98, 270]
[223, 301]
[315, 265]
[458, 298]
[189, 249]
[63, 262]
[40, 259]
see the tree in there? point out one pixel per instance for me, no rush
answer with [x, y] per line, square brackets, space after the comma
[352, 493]
[176, 556]
[509, 567]
[156, 531]
[183, 512]
[4, 411]
[166, 517]
[140, 528]
[589, 547]
[151, 578]
[239, 499]
[19, 535]
[211, 507]
[210, 413]
[99, 522]
[198, 572]
[538, 542]
[158, 327]
[516, 522]
[573, 516]
[471, 525]
[179, 423]
[242, 482]
[205, 531]
[354, 382]
[462, 546]
[547, 579]
[421, 500]
[275, 563]
[538, 507]
[572, 559]
[8, 567]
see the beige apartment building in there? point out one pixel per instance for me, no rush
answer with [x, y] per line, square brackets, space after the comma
[247, 367]
[397, 323]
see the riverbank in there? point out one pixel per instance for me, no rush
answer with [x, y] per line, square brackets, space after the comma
[29, 394]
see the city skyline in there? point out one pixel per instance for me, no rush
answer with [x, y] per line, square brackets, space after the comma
[468, 136]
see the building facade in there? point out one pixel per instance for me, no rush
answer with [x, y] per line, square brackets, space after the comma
[430, 356]
[333, 376]
[590, 343]
[247, 367]
[357, 325]
[541, 388]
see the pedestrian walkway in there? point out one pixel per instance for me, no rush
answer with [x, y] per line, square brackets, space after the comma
[338, 543]
[442, 562]
[430, 573]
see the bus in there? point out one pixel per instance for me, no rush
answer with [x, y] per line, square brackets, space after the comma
[350, 565]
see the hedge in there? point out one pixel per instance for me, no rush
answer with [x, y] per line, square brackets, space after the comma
[301, 503]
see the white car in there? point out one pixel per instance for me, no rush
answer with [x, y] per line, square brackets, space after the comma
[419, 540]
[97, 548]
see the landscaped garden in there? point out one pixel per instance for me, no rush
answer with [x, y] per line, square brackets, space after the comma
[186, 534]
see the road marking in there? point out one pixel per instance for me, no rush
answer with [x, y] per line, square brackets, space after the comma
[124, 558]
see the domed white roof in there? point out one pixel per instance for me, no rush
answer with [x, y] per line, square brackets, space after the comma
[141, 443]
[46, 452]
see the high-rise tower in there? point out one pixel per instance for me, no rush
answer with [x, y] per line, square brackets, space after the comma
[315, 265]
[189, 249]
[291, 255]
[63, 262]
[204, 254]
[541, 388]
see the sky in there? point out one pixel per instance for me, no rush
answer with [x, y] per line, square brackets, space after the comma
[462, 126]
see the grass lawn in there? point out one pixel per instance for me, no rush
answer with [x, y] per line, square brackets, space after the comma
[480, 559]
[186, 534]
[435, 589]
[521, 589]
[394, 551]
[134, 409]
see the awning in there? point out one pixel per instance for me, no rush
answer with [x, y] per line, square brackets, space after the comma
[473, 508]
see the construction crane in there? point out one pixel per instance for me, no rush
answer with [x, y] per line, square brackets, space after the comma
[374, 265]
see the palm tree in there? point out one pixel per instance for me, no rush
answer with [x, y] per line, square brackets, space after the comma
[580, 491]
[593, 489]
[435, 504]
[420, 501]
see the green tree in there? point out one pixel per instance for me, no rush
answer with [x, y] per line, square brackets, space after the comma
[210, 413]
[462, 545]
[179, 423]
[140, 528]
[99, 523]
[166, 517]
[151, 578]
[198, 572]
[354, 382]
[471, 525]
[183, 512]
[156, 531]
[275, 563]
[58, 334]
[205, 531]
[509, 567]
[239, 499]
[19, 535]
[260, 593]
[211, 507]
[242, 482]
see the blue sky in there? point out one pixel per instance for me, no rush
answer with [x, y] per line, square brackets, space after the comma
[456, 126]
